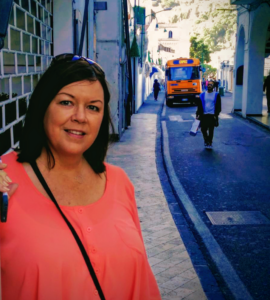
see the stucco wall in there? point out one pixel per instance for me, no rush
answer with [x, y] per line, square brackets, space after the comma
[254, 25]
[108, 33]
[63, 27]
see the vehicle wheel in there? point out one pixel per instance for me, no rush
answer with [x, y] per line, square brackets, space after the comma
[169, 103]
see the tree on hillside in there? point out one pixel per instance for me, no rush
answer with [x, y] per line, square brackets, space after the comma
[209, 72]
[199, 49]
[174, 19]
[170, 3]
[224, 28]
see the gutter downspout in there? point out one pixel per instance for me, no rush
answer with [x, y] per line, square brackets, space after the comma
[85, 14]
[130, 94]
[90, 53]
[134, 60]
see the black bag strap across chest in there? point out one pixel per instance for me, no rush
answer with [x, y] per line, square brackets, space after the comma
[73, 231]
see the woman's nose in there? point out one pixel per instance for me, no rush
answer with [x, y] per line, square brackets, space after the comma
[79, 115]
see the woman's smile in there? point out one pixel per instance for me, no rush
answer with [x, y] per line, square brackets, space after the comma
[78, 134]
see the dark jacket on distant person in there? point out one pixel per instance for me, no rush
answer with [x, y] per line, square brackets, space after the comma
[266, 85]
[156, 86]
[200, 110]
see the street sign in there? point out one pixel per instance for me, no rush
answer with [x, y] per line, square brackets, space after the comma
[139, 15]
[100, 5]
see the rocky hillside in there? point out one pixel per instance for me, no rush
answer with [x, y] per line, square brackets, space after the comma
[212, 20]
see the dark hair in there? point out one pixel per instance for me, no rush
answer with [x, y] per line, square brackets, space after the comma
[58, 75]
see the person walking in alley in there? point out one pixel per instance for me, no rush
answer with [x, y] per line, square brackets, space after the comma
[206, 83]
[203, 84]
[72, 230]
[156, 87]
[209, 108]
[216, 85]
[266, 86]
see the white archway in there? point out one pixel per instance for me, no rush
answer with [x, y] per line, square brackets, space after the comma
[239, 67]
[254, 62]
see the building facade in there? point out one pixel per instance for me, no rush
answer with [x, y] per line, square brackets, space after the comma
[27, 52]
[41, 29]
[252, 47]
[225, 73]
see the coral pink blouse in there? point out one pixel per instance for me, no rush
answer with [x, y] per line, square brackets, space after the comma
[41, 260]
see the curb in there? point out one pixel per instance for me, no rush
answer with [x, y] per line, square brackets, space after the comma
[252, 120]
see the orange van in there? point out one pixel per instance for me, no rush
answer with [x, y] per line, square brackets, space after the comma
[183, 81]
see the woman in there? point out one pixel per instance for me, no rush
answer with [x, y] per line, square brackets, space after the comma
[64, 144]
[156, 87]
[206, 84]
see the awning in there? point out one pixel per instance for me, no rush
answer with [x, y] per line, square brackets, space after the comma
[156, 69]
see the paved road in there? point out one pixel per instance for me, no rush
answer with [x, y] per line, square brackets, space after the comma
[234, 176]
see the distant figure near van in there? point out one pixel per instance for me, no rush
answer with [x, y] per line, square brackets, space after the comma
[206, 84]
[216, 85]
[266, 86]
[156, 87]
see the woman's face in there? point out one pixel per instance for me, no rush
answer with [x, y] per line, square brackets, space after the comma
[73, 118]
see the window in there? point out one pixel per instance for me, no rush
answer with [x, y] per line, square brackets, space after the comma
[170, 34]
[26, 42]
[21, 63]
[20, 19]
[9, 63]
[15, 38]
[184, 73]
[33, 8]
[4, 90]
[16, 86]
[27, 52]
[240, 75]
[27, 84]
[31, 63]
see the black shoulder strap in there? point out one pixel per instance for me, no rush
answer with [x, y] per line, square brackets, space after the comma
[83, 251]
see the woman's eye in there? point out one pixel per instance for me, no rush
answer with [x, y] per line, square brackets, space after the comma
[92, 107]
[65, 102]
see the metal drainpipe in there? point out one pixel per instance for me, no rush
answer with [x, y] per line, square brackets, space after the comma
[134, 63]
[83, 26]
[130, 93]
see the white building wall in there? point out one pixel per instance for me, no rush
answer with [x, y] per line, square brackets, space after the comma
[139, 87]
[254, 61]
[63, 27]
[255, 26]
[108, 35]
[266, 66]
[242, 36]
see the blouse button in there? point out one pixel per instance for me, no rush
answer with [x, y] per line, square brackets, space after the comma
[89, 229]
[97, 271]
[96, 292]
[94, 250]
[80, 210]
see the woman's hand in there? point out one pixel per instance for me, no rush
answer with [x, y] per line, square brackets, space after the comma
[6, 184]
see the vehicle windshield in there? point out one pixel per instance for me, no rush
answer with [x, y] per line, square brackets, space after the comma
[184, 73]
